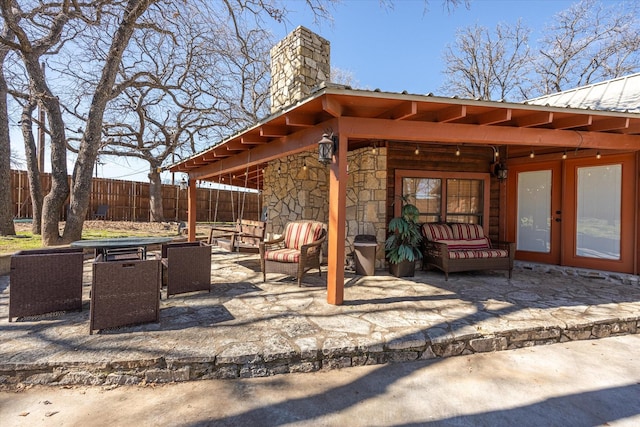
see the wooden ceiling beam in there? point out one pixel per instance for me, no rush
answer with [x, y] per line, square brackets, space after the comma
[401, 112]
[459, 133]
[273, 131]
[253, 140]
[218, 153]
[332, 106]
[535, 119]
[449, 114]
[572, 122]
[303, 140]
[235, 146]
[614, 123]
[300, 120]
[499, 115]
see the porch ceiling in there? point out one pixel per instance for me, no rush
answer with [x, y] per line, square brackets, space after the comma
[374, 115]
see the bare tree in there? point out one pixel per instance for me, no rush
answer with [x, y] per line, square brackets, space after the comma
[343, 76]
[6, 200]
[485, 65]
[589, 42]
[208, 81]
[37, 32]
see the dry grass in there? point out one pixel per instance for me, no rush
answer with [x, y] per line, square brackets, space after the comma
[25, 239]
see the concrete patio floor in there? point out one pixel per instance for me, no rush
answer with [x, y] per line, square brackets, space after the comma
[247, 328]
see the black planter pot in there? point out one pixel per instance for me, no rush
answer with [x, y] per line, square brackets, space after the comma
[403, 269]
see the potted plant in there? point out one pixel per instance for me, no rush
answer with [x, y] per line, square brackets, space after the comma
[402, 247]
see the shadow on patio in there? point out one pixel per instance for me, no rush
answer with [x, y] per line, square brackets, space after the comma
[245, 327]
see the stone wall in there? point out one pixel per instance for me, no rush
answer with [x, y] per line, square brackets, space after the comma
[293, 192]
[299, 62]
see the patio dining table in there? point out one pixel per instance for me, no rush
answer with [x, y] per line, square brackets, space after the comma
[104, 246]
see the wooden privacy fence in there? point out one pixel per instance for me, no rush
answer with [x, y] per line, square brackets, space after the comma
[129, 200]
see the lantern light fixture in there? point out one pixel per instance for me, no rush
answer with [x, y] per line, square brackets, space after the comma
[564, 155]
[457, 151]
[327, 147]
[500, 171]
[598, 155]
[184, 183]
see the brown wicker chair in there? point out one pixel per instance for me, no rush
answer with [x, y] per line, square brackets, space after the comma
[45, 280]
[295, 252]
[124, 293]
[187, 267]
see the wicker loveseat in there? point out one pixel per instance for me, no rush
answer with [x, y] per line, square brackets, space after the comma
[463, 247]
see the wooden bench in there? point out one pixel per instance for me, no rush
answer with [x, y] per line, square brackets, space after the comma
[463, 247]
[244, 237]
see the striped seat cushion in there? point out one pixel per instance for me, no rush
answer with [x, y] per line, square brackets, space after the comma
[297, 234]
[435, 232]
[484, 253]
[467, 231]
[283, 255]
[466, 244]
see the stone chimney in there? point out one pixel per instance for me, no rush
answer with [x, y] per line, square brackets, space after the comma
[299, 62]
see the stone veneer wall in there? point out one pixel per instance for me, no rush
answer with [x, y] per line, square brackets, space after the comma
[291, 193]
[299, 62]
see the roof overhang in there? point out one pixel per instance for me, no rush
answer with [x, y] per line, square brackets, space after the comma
[363, 116]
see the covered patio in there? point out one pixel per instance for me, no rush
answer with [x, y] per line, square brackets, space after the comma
[247, 328]
[577, 152]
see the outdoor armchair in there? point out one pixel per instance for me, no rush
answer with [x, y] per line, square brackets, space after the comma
[186, 267]
[45, 280]
[298, 250]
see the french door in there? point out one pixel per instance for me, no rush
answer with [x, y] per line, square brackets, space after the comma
[574, 212]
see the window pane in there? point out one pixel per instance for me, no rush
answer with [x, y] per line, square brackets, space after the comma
[534, 209]
[426, 195]
[464, 200]
[599, 211]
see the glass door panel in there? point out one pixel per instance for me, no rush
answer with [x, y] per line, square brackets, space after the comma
[534, 211]
[598, 213]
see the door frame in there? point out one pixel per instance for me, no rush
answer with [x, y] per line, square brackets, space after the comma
[564, 199]
[554, 256]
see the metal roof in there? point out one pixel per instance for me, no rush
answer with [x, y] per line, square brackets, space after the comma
[621, 94]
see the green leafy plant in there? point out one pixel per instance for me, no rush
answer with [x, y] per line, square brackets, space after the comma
[403, 243]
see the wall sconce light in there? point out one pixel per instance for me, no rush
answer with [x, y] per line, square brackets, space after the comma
[457, 151]
[304, 165]
[532, 154]
[417, 150]
[184, 183]
[500, 171]
[496, 154]
[564, 155]
[327, 146]
[598, 155]
[374, 150]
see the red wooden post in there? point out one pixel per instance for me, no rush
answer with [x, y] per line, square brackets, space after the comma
[337, 220]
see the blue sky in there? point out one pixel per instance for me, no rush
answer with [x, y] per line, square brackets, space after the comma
[401, 48]
[392, 49]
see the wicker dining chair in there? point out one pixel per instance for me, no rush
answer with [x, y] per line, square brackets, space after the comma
[298, 250]
[45, 280]
[186, 267]
[124, 293]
